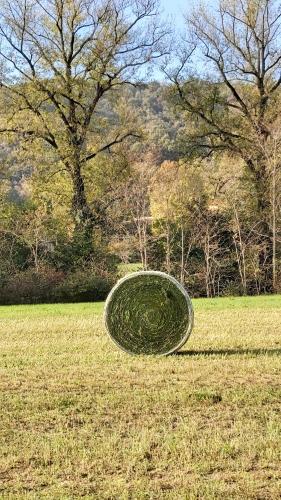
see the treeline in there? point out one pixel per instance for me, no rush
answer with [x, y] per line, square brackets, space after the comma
[102, 174]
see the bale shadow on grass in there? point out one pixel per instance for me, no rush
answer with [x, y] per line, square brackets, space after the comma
[232, 352]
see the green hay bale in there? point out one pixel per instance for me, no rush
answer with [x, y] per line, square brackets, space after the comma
[149, 312]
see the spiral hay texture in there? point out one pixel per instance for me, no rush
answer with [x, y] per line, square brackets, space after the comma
[149, 312]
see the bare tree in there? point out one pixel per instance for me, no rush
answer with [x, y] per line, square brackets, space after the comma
[234, 106]
[130, 213]
[59, 59]
[212, 250]
[273, 155]
[33, 230]
[240, 249]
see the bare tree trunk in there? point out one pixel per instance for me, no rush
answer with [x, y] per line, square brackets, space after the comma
[240, 253]
[182, 255]
[168, 249]
[81, 210]
[142, 237]
[274, 271]
[35, 255]
[82, 215]
[207, 260]
[140, 245]
[144, 231]
[265, 231]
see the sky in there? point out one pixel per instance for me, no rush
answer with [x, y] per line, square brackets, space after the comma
[177, 9]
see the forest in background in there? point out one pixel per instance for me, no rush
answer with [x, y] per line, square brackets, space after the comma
[104, 170]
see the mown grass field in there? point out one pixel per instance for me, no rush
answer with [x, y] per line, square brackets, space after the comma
[79, 418]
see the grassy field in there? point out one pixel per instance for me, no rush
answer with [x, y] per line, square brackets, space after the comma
[79, 418]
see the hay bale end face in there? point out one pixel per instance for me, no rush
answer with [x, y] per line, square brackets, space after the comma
[149, 312]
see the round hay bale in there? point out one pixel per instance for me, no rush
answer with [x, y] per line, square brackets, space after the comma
[149, 312]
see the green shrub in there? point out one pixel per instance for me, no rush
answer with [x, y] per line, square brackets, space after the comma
[48, 285]
[30, 286]
[83, 286]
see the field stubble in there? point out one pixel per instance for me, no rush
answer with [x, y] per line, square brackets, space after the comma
[81, 419]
